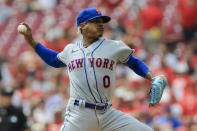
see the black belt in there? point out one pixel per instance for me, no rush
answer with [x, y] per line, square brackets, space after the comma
[92, 106]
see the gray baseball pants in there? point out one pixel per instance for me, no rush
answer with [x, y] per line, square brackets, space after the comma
[79, 118]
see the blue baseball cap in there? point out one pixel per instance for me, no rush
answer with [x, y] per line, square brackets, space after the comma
[89, 14]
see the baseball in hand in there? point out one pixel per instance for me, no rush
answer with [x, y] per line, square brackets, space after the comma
[22, 28]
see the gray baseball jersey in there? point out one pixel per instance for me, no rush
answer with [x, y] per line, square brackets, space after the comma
[92, 78]
[92, 70]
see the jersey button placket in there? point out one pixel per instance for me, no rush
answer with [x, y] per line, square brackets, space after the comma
[88, 64]
[88, 54]
[87, 61]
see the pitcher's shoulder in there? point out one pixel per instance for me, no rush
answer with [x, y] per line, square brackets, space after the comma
[114, 42]
[70, 46]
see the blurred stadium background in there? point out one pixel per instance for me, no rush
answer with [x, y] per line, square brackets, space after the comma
[163, 33]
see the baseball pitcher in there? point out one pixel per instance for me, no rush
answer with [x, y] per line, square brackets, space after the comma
[91, 65]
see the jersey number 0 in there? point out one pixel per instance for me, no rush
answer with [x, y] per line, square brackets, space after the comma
[106, 81]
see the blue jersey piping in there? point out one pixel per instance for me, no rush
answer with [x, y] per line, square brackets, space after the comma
[86, 73]
[95, 72]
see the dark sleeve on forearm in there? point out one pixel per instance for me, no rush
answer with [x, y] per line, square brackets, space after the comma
[49, 56]
[137, 66]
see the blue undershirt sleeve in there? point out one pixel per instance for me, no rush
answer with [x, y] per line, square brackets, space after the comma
[137, 66]
[49, 56]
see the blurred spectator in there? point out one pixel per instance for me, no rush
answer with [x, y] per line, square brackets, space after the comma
[151, 15]
[193, 59]
[151, 19]
[110, 4]
[11, 118]
[57, 123]
[168, 120]
[46, 5]
[188, 11]
[6, 78]
[5, 12]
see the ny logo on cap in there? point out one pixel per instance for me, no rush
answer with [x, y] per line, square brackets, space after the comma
[98, 11]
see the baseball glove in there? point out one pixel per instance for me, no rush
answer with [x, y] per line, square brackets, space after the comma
[158, 84]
